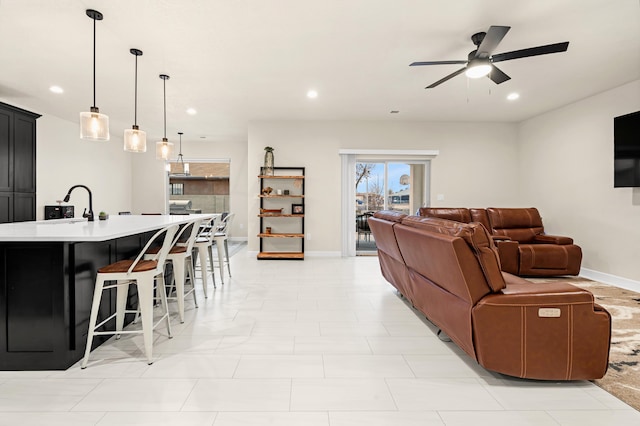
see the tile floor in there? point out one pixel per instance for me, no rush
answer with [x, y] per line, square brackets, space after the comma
[322, 342]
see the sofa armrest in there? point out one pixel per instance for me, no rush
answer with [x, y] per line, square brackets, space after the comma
[509, 256]
[552, 239]
[547, 331]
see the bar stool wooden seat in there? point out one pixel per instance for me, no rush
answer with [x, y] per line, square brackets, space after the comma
[180, 258]
[143, 273]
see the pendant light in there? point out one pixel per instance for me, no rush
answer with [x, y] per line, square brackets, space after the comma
[164, 148]
[180, 162]
[135, 140]
[93, 125]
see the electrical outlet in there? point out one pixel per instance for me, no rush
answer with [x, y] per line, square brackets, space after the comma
[308, 237]
[242, 226]
[440, 197]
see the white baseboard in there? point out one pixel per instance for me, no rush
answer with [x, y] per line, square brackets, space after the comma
[615, 280]
[323, 253]
[308, 253]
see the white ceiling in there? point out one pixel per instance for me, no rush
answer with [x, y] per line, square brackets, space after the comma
[241, 60]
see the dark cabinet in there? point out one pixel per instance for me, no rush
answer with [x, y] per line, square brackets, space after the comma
[44, 310]
[6, 207]
[6, 150]
[17, 164]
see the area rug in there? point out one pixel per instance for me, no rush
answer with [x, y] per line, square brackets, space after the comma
[623, 376]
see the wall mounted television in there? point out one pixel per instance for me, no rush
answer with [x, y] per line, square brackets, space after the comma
[626, 157]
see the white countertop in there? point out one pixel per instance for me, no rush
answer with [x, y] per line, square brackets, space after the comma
[79, 229]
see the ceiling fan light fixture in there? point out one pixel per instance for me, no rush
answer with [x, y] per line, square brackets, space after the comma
[478, 68]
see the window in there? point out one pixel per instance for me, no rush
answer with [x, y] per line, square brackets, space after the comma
[177, 188]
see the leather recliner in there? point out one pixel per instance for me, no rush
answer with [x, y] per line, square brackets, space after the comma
[526, 249]
[523, 246]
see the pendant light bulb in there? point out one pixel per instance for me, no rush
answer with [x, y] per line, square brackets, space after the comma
[164, 148]
[135, 140]
[93, 125]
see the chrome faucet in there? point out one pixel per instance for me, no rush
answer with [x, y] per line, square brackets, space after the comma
[88, 215]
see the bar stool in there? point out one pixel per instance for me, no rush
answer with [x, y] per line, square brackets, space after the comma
[144, 274]
[203, 244]
[220, 237]
[180, 257]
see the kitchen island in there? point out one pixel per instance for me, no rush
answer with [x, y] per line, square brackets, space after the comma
[47, 277]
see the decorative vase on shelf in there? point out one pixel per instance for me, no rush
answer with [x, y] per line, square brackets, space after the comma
[268, 161]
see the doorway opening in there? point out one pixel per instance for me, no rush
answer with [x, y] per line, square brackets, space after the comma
[200, 186]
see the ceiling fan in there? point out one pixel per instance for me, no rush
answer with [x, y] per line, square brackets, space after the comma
[480, 61]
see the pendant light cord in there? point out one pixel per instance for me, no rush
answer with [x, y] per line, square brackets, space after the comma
[135, 107]
[94, 62]
[164, 89]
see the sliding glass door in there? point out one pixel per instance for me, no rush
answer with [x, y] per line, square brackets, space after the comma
[386, 185]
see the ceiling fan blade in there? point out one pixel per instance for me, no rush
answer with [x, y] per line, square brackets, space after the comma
[449, 77]
[491, 40]
[532, 51]
[437, 63]
[497, 76]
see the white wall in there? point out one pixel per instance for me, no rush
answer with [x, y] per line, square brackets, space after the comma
[63, 160]
[566, 170]
[476, 166]
[149, 178]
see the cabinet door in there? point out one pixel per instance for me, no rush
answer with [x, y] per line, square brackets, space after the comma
[6, 207]
[24, 206]
[24, 153]
[6, 151]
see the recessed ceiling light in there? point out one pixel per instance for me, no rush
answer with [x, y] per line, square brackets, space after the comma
[56, 89]
[312, 94]
[513, 96]
[192, 111]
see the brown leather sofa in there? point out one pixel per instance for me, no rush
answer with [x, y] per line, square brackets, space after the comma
[450, 271]
[524, 248]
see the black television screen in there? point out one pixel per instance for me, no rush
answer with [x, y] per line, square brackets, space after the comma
[626, 157]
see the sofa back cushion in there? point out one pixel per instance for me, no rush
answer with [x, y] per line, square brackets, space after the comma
[459, 214]
[519, 224]
[477, 239]
[390, 215]
[381, 225]
[480, 216]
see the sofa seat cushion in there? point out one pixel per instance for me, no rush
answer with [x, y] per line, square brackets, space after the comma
[475, 235]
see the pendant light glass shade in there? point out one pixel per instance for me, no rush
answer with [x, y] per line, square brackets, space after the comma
[164, 149]
[135, 140]
[93, 125]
